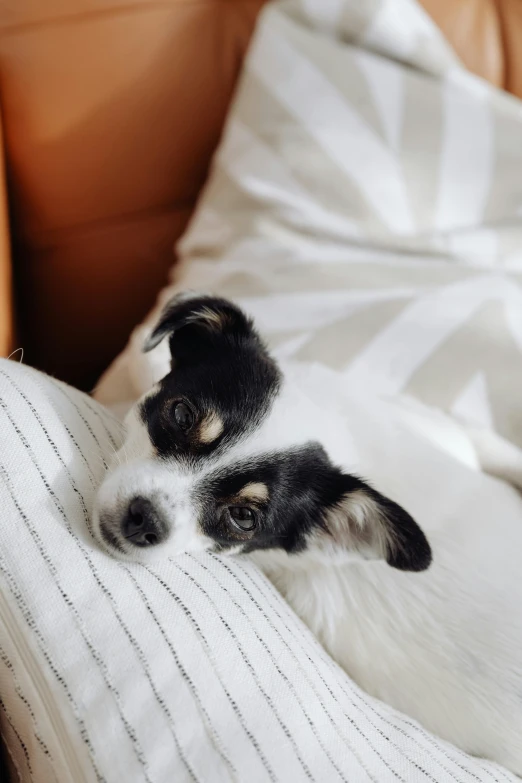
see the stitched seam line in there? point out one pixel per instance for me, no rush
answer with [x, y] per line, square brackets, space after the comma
[131, 8]
[504, 48]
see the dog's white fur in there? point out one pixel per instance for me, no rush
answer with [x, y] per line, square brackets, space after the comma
[444, 645]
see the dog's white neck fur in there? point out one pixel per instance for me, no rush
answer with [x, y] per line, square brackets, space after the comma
[297, 418]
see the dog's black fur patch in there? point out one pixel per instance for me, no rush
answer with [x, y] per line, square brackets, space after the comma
[409, 549]
[303, 486]
[219, 368]
[300, 486]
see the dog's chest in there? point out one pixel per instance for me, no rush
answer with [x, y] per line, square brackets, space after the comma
[395, 639]
[369, 626]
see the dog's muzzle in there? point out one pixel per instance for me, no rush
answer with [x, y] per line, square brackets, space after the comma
[141, 524]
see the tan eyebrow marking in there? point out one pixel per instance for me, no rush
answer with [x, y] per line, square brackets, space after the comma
[214, 319]
[254, 491]
[211, 428]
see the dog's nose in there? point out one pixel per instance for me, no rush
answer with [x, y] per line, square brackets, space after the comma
[142, 524]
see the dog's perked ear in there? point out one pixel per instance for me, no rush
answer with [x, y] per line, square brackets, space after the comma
[195, 323]
[369, 523]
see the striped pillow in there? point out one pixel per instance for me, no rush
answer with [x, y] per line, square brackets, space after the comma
[192, 670]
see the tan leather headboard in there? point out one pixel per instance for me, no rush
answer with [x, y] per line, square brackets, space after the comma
[487, 36]
[111, 112]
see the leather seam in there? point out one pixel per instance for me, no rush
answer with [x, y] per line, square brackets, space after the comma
[129, 8]
[506, 70]
[41, 239]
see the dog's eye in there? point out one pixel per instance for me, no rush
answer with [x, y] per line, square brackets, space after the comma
[183, 416]
[243, 518]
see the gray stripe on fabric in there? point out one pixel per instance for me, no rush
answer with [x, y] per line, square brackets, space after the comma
[452, 364]
[355, 332]
[421, 145]
[276, 665]
[101, 413]
[342, 72]
[335, 191]
[195, 625]
[322, 277]
[104, 416]
[218, 744]
[505, 189]
[87, 426]
[252, 671]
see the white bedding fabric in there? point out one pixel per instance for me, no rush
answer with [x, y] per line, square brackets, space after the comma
[191, 670]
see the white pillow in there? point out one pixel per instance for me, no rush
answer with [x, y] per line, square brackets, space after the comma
[365, 205]
[191, 670]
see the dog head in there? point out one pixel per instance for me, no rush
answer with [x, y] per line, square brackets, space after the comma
[227, 454]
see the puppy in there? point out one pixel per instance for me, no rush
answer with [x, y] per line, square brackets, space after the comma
[411, 582]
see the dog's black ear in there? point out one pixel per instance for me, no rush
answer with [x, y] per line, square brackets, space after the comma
[201, 320]
[369, 523]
